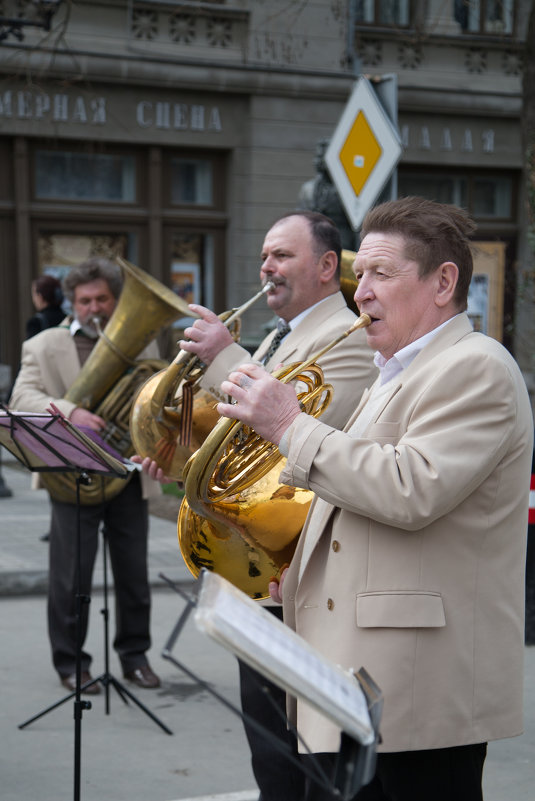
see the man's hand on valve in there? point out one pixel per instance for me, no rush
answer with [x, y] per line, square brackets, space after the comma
[261, 401]
[207, 336]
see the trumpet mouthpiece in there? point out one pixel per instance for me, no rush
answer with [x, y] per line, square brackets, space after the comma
[268, 286]
[363, 321]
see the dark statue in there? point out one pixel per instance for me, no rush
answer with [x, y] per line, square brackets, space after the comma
[320, 194]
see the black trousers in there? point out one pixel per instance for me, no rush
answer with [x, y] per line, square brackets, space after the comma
[125, 518]
[277, 778]
[441, 774]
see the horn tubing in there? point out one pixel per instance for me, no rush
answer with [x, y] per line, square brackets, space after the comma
[155, 423]
[236, 313]
[362, 322]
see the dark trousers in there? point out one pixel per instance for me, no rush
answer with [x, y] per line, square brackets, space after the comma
[441, 774]
[277, 778]
[125, 519]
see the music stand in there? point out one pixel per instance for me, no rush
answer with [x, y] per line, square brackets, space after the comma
[351, 700]
[48, 442]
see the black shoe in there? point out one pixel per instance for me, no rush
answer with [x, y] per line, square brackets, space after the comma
[45, 537]
[143, 677]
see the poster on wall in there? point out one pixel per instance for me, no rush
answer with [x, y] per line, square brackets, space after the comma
[485, 296]
[185, 281]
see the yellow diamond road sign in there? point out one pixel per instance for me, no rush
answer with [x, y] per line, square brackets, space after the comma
[363, 152]
[360, 153]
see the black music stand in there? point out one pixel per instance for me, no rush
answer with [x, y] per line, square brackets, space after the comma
[353, 701]
[50, 443]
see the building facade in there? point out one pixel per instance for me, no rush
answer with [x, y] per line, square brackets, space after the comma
[174, 132]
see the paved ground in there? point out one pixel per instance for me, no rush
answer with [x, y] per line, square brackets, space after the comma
[125, 755]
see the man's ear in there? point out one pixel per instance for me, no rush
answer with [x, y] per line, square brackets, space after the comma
[328, 264]
[447, 277]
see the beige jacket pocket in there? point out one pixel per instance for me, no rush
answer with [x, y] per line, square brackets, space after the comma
[400, 609]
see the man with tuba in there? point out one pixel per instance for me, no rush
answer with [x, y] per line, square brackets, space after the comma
[51, 361]
[301, 256]
[411, 562]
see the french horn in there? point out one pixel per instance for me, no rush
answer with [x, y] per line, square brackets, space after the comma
[236, 518]
[171, 416]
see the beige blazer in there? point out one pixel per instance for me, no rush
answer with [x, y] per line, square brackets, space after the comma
[416, 560]
[348, 366]
[49, 365]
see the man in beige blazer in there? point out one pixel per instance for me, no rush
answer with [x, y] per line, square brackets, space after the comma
[301, 256]
[411, 563]
[50, 363]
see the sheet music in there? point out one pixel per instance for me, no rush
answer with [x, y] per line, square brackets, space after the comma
[45, 441]
[235, 621]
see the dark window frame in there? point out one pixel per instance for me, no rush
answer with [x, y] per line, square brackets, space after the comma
[460, 15]
[89, 148]
[218, 160]
[378, 23]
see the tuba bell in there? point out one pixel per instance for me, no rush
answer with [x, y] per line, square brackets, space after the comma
[236, 518]
[111, 376]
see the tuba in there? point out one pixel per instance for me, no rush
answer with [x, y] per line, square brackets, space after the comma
[111, 377]
[171, 416]
[230, 518]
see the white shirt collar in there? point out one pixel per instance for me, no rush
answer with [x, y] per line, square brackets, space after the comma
[390, 368]
[296, 320]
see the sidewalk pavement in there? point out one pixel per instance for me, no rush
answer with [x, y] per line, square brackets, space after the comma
[25, 517]
[208, 758]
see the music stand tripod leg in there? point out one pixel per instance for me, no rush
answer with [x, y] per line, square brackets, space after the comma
[107, 678]
[79, 704]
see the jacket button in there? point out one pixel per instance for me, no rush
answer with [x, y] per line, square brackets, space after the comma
[330, 604]
[335, 545]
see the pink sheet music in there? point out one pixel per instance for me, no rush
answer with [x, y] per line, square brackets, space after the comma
[48, 441]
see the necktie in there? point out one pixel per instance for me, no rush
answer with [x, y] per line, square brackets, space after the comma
[282, 329]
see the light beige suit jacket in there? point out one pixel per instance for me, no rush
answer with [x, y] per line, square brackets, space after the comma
[417, 550]
[348, 366]
[49, 365]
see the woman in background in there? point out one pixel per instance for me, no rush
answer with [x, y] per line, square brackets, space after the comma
[47, 298]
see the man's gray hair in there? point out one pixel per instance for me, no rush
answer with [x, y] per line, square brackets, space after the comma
[92, 270]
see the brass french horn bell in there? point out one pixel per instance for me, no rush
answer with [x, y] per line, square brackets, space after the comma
[171, 417]
[236, 518]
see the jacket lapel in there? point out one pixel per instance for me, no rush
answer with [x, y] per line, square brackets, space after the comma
[320, 511]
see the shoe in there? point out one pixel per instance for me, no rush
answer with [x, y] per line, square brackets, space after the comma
[144, 677]
[70, 683]
[45, 537]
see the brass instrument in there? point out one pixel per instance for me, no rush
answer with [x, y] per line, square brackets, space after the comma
[171, 416]
[348, 283]
[167, 422]
[236, 518]
[110, 378]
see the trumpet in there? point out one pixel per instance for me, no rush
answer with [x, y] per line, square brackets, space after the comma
[171, 417]
[236, 518]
